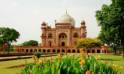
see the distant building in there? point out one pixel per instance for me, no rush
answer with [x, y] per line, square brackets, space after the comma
[61, 38]
[64, 34]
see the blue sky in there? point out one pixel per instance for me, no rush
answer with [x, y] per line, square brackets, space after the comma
[26, 16]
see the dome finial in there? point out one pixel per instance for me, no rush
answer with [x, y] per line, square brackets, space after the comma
[66, 18]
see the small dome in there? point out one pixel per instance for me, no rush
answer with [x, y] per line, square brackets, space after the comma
[66, 18]
[83, 22]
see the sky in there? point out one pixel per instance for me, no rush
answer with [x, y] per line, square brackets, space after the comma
[26, 16]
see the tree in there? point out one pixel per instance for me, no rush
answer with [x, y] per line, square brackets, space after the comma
[7, 36]
[111, 20]
[30, 43]
[88, 43]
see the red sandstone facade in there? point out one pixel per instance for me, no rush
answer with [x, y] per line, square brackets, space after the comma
[64, 34]
[61, 38]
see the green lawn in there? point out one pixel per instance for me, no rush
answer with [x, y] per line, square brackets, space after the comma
[113, 59]
[4, 65]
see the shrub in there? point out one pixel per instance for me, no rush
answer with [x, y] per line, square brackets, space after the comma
[38, 54]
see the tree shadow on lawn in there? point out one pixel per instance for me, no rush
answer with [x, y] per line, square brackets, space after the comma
[16, 66]
[110, 59]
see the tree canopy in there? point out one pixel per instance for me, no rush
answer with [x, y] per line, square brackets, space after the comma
[88, 43]
[7, 36]
[30, 43]
[111, 20]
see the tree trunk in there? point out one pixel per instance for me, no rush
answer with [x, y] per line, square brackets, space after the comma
[122, 44]
[123, 51]
[114, 50]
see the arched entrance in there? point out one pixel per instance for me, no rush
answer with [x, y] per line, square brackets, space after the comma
[63, 44]
[50, 43]
[62, 39]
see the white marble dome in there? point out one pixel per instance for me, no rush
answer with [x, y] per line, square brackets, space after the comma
[66, 18]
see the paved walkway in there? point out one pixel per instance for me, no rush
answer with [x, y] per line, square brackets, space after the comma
[21, 57]
[14, 58]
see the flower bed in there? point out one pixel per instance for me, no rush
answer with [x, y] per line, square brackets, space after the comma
[70, 65]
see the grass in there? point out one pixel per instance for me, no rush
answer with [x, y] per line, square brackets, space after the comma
[4, 65]
[114, 59]
[14, 66]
